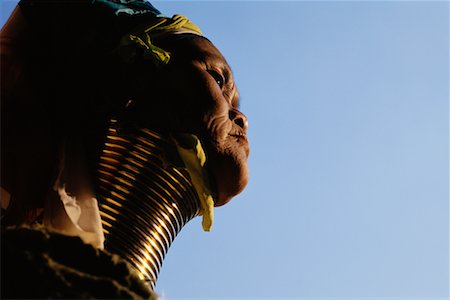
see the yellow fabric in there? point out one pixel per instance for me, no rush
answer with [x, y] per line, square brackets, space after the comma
[195, 160]
[172, 25]
[161, 26]
[159, 54]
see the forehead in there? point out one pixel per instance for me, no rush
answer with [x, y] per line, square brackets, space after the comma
[191, 47]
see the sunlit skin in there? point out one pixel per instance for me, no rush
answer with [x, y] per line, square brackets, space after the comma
[200, 97]
[194, 93]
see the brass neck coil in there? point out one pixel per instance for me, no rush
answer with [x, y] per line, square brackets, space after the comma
[144, 198]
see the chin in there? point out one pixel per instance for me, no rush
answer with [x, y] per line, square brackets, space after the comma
[229, 170]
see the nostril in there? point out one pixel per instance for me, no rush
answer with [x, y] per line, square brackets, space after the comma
[238, 118]
[239, 121]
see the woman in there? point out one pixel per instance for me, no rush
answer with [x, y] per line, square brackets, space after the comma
[72, 70]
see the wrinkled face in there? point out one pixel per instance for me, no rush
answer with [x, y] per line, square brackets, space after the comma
[200, 97]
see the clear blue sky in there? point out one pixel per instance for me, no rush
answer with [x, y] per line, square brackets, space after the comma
[348, 104]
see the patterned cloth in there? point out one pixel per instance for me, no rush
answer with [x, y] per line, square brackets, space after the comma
[127, 7]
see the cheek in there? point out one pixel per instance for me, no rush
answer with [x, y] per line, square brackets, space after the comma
[172, 102]
[230, 172]
[193, 100]
[217, 126]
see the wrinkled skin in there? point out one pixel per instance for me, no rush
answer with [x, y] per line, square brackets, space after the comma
[51, 94]
[200, 97]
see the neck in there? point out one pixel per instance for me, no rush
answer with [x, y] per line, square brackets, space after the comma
[145, 198]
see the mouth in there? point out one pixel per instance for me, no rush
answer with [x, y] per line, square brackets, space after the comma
[241, 138]
[238, 135]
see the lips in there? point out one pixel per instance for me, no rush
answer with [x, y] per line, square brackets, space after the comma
[238, 134]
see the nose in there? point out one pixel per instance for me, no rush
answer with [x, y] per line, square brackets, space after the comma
[238, 118]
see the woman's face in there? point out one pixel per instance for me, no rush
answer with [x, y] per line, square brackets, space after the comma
[198, 96]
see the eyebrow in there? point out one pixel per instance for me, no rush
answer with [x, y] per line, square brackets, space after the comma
[211, 60]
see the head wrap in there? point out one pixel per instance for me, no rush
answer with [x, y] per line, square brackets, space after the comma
[125, 8]
[158, 27]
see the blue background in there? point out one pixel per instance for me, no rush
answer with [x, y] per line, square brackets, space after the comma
[348, 105]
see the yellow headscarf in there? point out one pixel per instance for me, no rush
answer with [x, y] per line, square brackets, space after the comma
[160, 26]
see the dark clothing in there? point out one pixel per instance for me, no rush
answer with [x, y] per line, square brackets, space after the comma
[38, 264]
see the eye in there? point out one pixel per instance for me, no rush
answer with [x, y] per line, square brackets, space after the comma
[217, 77]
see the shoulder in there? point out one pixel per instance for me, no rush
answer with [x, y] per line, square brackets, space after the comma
[37, 263]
